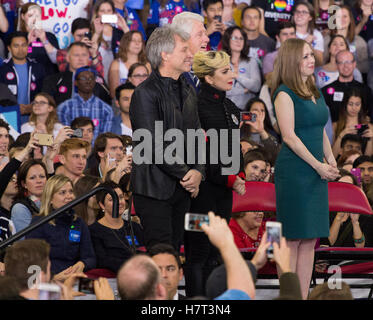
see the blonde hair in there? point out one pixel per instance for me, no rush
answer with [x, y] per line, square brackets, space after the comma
[73, 144]
[207, 62]
[53, 185]
[287, 70]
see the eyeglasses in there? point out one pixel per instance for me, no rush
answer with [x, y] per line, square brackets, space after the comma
[85, 79]
[40, 103]
[140, 75]
[237, 38]
[304, 13]
[346, 62]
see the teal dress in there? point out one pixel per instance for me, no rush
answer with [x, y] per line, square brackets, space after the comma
[301, 194]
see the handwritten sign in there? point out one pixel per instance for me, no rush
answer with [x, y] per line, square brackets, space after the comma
[58, 15]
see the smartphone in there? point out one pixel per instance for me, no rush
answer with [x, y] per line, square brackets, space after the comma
[88, 35]
[78, 133]
[194, 221]
[361, 128]
[357, 173]
[86, 285]
[38, 24]
[129, 150]
[274, 234]
[49, 291]
[109, 18]
[247, 116]
[217, 18]
[45, 139]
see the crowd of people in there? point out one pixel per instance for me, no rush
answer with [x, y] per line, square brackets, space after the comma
[189, 65]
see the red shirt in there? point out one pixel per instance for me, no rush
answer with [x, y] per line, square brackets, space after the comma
[242, 239]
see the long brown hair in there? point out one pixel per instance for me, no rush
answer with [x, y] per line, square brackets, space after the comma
[342, 119]
[52, 118]
[351, 27]
[287, 70]
[24, 9]
[125, 43]
[316, 6]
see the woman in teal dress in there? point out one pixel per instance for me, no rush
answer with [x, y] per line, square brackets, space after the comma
[305, 161]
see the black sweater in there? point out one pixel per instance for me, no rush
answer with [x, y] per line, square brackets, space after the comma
[218, 112]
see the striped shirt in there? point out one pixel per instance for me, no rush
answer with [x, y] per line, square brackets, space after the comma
[94, 108]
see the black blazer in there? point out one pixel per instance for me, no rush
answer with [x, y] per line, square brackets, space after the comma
[154, 100]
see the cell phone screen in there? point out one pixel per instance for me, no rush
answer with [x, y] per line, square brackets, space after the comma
[193, 222]
[86, 285]
[273, 235]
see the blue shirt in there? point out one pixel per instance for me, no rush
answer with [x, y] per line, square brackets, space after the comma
[94, 108]
[233, 294]
[22, 87]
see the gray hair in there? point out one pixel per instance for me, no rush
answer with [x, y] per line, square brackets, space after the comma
[162, 40]
[184, 21]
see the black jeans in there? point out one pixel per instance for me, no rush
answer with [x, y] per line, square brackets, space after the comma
[201, 256]
[163, 220]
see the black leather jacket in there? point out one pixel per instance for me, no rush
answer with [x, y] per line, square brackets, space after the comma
[154, 100]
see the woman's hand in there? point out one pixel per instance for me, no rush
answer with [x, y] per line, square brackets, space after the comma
[122, 24]
[239, 186]
[348, 130]
[354, 217]
[341, 216]
[327, 172]
[99, 26]
[310, 38]
[258, 125]
[368, 133]
[32, 36]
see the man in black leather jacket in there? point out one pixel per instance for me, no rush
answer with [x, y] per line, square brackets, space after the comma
[162, 191]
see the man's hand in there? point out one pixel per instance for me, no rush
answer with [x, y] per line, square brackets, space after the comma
[215, 26]
[103, 290]
[70, 282]
[191, 180]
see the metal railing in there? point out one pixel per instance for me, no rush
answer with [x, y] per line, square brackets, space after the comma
[62, 210]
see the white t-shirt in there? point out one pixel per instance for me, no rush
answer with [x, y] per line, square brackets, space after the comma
[318, 43]
[125, 130]
[30, 127]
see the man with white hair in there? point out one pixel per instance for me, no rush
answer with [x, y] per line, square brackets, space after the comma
[192, 24]
[162, 188]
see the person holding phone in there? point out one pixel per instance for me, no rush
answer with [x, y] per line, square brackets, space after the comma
[261, 130]
[39, 40]
[215, 111]
[107, 35]
[301, 193]
[353, 120]
[215, 28]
